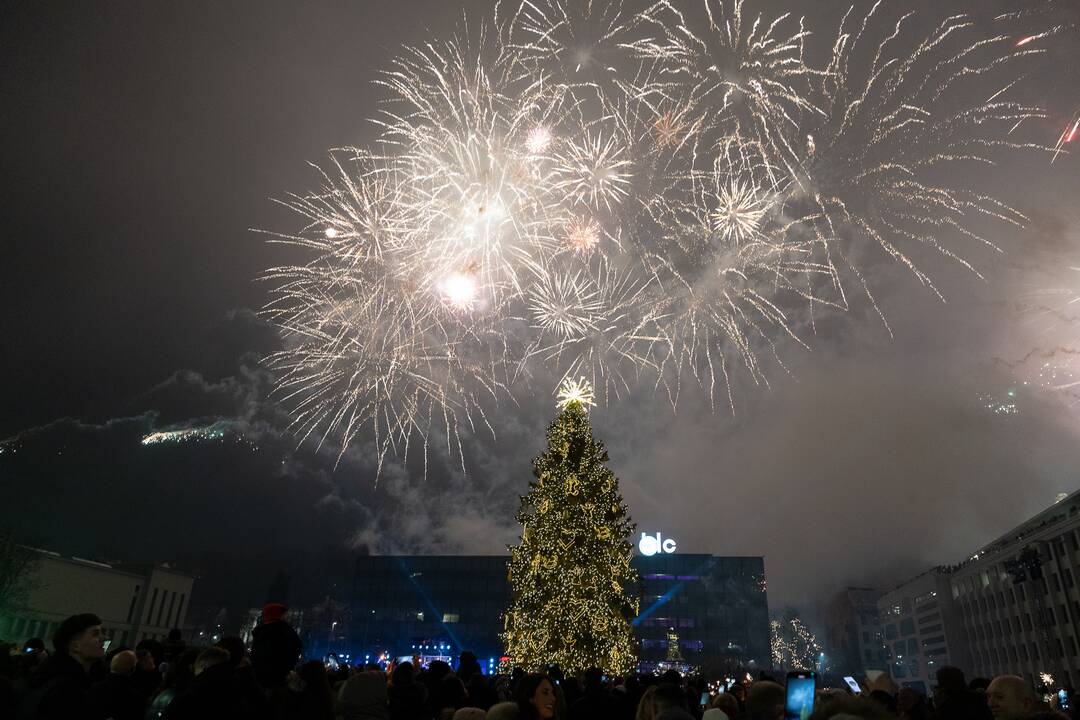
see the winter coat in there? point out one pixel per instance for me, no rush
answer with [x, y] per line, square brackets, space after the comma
[57, 690]
[213, 695]
[118, 697]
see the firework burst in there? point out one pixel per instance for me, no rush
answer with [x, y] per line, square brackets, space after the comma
[630, 199]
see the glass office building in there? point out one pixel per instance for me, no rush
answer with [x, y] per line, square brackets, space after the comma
[441, 605]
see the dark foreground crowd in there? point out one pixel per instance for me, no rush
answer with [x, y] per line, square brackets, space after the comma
[77, 681]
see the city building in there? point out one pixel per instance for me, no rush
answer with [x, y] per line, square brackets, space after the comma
[134, 602]
[436, 606]
[922, 630]
[853, 638]
[1019, 599]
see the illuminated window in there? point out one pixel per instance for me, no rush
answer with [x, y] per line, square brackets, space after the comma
[451, 618]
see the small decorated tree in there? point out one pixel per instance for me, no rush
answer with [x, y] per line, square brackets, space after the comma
[573, 592]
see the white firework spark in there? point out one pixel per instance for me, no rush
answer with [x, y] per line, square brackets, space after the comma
[613, 196]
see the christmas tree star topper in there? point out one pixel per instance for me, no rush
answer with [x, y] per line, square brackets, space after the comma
[575, 391]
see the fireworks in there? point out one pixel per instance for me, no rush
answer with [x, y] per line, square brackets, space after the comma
[631, 199]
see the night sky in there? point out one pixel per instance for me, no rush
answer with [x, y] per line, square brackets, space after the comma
[142, 141]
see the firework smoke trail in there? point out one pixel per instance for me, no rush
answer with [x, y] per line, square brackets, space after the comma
[631, 199]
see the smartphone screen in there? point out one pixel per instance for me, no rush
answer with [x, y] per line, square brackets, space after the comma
[704, 699]
[800, 695]
[851, 683]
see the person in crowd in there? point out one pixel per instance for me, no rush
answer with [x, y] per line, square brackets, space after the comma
[469, 713]
[59, 688]
[8, 672]
[645, 708]
[668, 696]
[911, 705]
[173, 647]
[848, 708]
[363, 697]
[33, 654]
[468, 665]
[315, 701]
[275, 647]
[117, 696]
[954, 701]
[726, 703]
[503, 711]
[1010, 698]
[432, 678]
[765, 701]
[408, 698]
[148, 673]
[738, 691]
[885, 699]
[176, 682]
[213, 693]
[481, 692]
[243, 672]
[536, 699]
[452, 695]
[596, 701]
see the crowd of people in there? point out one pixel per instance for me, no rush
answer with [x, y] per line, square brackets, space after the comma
[77, 679]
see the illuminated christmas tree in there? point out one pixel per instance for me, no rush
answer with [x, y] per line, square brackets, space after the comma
[572, 588]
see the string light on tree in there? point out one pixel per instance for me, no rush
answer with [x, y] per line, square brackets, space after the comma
[793, 645]
[570, 576]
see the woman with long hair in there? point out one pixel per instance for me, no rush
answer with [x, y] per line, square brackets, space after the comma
[536, 698]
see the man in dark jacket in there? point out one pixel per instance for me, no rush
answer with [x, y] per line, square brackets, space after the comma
[275, 647]
[117, 696]
[59, 687]
[953, 699]
[596, 702]
[213, 694]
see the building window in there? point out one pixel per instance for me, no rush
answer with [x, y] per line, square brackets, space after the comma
[907, 627]
[451, 618]
[172, 607]
[1069, 582]
[1023, 652]
[180, 610]
[1072, 541]
[1035, 652]
[1072, 646]
[1027, 621]
[1055, 582]
[134, 599]
[150, 608]
[161, 608]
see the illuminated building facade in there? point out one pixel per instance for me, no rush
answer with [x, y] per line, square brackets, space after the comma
[1019, 599]
[441, 605]
[854, 641]
[922, 630]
